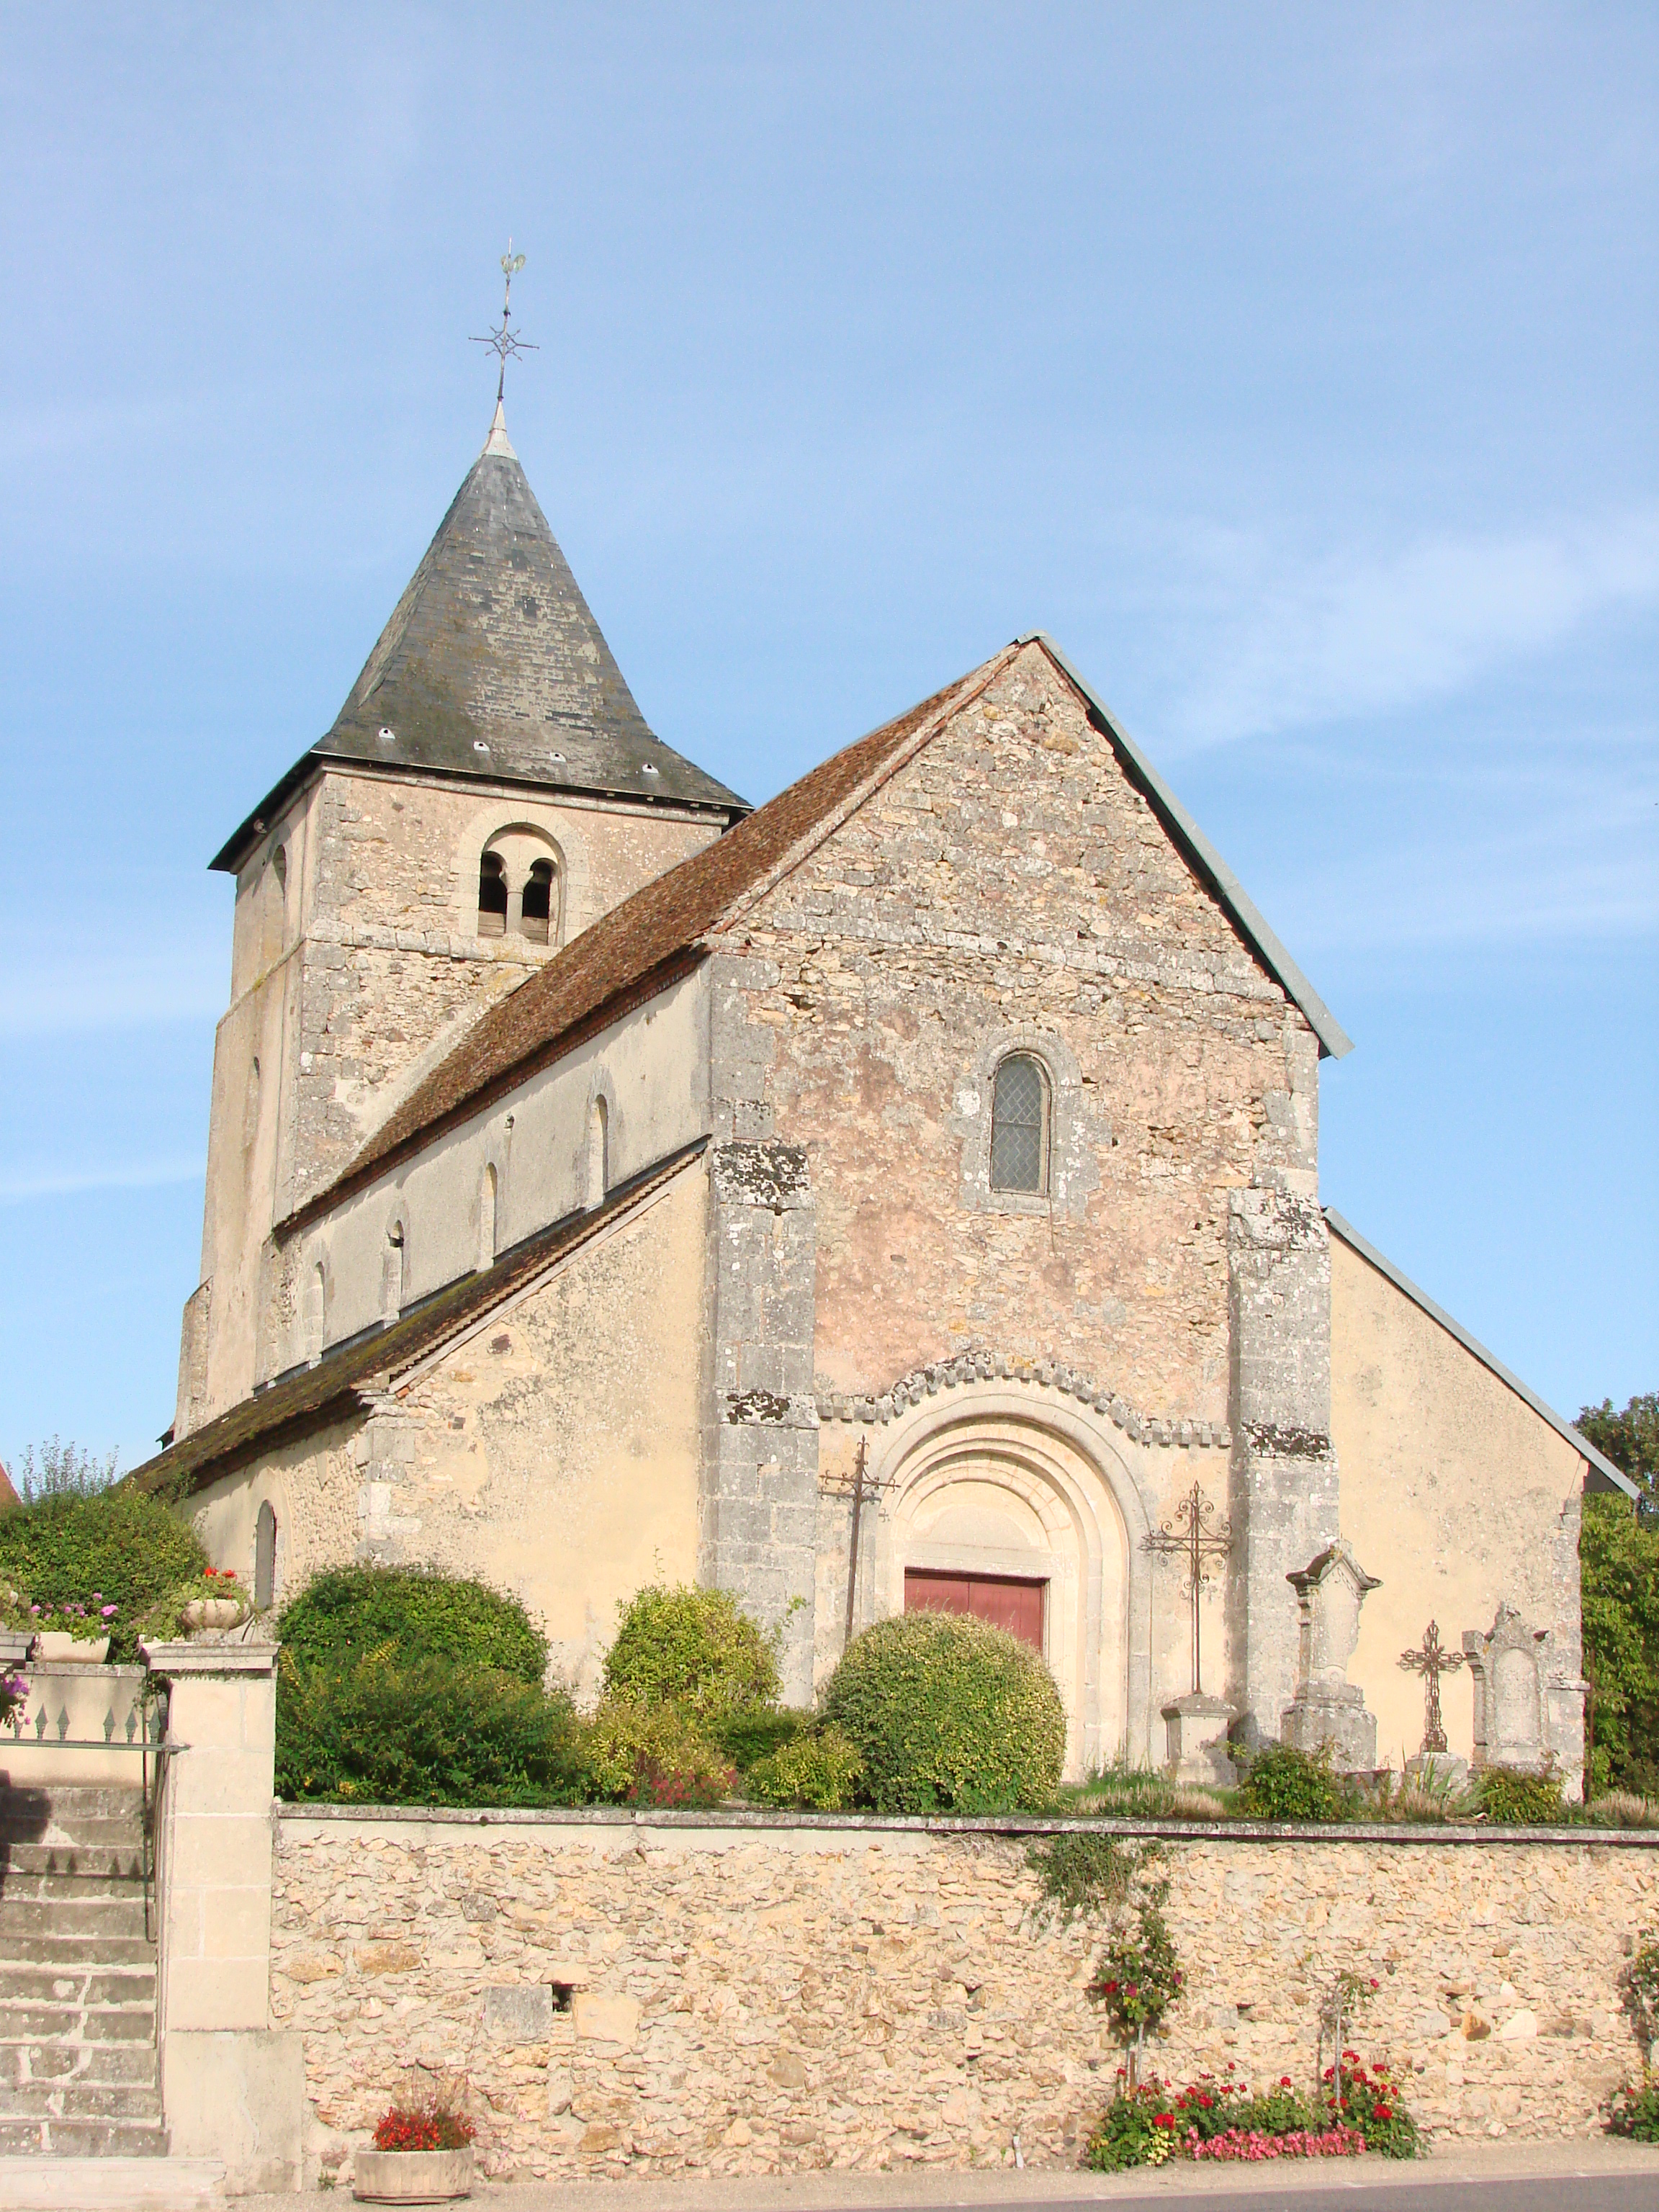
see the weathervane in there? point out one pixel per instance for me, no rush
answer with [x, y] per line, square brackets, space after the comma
[1431, 1662]
[506, 342]
[1203, 1542]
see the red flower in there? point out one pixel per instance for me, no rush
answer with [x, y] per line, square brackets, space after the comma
[1382, 2112]
[1163, 2119]
[1286, 2083]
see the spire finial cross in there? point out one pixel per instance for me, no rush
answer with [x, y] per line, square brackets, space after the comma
[506, 342]
[1431, 1662]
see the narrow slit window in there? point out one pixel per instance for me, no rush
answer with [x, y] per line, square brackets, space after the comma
[536, 911]
[1020, 1127]
[492, 897]
[392, 1274]
[264, 1560]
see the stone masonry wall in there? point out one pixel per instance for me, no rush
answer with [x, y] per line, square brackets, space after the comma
[1011, 887]
[751, 1997]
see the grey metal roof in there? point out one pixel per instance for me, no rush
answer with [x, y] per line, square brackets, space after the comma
[493, 667]
[1334, 1040]
[1598, 1461]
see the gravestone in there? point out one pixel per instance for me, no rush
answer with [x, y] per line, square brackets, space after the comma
[1328, 1708]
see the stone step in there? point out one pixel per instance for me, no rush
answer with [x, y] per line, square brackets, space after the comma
[62, 2022]
[81, 1815]
[109, 2064]
[83, 2100]
[62, 1954]
[112, 2184]
[126, 1836]
[82, 1985]
[40, 1870]
[78, 2139]
[97, 1917]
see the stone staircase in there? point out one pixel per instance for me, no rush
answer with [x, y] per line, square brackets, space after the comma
[78, 2069]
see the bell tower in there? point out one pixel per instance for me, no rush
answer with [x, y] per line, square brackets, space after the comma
[488, 788]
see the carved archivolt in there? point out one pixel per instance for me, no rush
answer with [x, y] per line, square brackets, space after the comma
[1041, 1374]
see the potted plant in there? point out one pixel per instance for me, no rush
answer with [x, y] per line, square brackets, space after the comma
[423, 2154]
[73, 1634]
[208, 1604]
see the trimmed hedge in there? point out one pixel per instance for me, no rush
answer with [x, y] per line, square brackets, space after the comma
[691, 1647]
[400, 1615]
[427, 1733]
[119, 1542]
[948, 1714]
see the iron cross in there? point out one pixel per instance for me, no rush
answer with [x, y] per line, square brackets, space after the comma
[1194, 1531]
[1431, 1662]
[506, 342]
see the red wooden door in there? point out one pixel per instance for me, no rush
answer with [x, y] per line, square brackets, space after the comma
[1006, 1600]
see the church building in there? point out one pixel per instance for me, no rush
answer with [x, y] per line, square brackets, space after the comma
[905, 1193]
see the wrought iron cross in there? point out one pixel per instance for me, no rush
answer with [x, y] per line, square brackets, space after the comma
[505, 342]
[1431, 1662]
[1193, 1531]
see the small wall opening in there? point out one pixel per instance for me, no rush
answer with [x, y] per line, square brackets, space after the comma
[392, 1274]
[492, 897]
[487, 1217]
[536, 909]
[264, 1560]
[599, 1151]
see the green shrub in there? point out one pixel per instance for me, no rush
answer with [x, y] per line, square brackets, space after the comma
[948, 1713]
[692, 1648]
[1633, 2110]
[378, 1732]
[402, 1615]
[1137, 2128]
[1079, 1875]
[1283, 1784]
[749, 1737]
[1513, 1798]
[126, 1547]
[638, 1754]
[821, 1772]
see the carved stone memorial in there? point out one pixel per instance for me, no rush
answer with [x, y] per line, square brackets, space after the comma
[1328, 1708]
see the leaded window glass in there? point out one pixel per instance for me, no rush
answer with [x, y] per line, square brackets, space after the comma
[1020, 1127]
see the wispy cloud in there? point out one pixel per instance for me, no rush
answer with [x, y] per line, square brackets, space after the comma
[1359, 635]
[18, 1186]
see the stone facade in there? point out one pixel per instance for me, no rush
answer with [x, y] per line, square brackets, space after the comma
[666, 1996]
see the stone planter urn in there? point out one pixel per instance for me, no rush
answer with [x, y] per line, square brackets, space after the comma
[56, 1647]
[412, 2177]
[211, 1612]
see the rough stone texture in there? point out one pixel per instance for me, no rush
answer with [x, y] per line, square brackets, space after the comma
[758, 1507]
[753, 1999]
[1284, 1495]
[1010, 887]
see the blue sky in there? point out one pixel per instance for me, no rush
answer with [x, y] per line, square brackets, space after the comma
[1295, 367]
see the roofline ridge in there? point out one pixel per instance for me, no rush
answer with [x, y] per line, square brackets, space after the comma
[1334, 1042]
[966, 688]
[1351, 1237]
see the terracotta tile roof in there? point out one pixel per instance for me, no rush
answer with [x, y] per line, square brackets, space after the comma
[639, 946]
[346, 1380]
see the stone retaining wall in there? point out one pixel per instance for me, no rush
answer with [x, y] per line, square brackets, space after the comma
[729, 1994]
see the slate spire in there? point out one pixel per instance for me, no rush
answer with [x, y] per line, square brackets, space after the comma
[492, 666]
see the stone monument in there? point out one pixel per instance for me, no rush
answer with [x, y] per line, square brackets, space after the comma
[1328, 1708]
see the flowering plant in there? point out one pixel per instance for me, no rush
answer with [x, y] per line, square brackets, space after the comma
[423, 2127]
[1372, 2101]
[1223, 2119]
[83, 1622]
[1640, 1983]
[14, 1695]
[1633, 2110]
[1137, 1979]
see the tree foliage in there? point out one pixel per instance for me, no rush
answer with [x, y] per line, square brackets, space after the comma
[1619, 1568]
[1630, 1439]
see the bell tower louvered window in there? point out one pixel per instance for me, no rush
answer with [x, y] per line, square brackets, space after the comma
[1020, 1127]
[492, 897]
[536, 910]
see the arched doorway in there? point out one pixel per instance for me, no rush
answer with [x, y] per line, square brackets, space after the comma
[1011, 1511]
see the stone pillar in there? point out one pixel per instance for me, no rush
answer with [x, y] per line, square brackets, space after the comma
[1328, 1708]
[759, 1503]
[1283, 1496]
[233, 2087]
